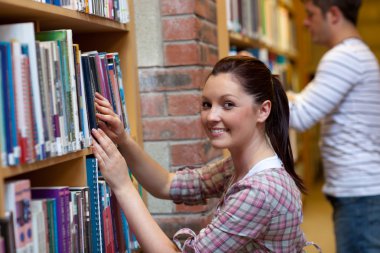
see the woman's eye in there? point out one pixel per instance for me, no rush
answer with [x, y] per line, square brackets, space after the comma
[228, 105]
[206, 105]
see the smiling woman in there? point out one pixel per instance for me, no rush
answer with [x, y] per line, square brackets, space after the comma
[245, 110]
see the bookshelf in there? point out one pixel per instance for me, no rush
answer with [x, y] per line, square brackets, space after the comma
[297, 44]
[91, 33]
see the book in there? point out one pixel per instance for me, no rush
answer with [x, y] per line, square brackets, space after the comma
[52, 95]
[90, 89]
[12, 146]
[7, 232]
[2, 244]
[59, 193]
[82, 219]
[3, 151]
[39, 226]
[19, 90]
[28, 151]
[95, 214]
[82, 105]
[106, 219]
[18, 201]
[44, 82]
[52, 224]
[24, 33]
[121, 92]
[65, 44]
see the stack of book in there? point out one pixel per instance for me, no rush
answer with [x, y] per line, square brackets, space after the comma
[47, 95]
[111, 9]
[64, 219]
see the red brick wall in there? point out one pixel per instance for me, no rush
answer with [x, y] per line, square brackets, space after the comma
[170, 96]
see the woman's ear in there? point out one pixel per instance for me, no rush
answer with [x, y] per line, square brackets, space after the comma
[264, 111]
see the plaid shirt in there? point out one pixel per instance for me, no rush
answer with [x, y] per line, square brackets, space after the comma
[260, 213]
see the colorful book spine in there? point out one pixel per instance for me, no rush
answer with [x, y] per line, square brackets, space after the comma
[92, 183]
[9, 103]
[25, 35]
[62, 212]
[90, 90]
[52, 224]
[18, 201]
[29, 122]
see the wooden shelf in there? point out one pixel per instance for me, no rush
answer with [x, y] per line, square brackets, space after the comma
[13, 171]
[287, 6]
[241, 41]
[49, 17]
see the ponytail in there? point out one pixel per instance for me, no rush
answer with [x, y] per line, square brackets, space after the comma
[277, 129]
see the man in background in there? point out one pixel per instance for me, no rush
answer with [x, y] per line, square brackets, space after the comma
[344, 97]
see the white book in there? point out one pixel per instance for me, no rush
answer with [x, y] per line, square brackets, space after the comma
[18, 95]
[85, 124]
[45, 105]
[62, 141]
[39, 226]
[73, 86]
[124, 11]
[48, 47]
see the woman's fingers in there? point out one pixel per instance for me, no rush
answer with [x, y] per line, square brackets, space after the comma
[104, 141]
[104, 109]
[106, 129]
[99, 153]
[102, 101]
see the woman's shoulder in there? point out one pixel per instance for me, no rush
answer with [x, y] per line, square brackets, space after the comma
[277, 186]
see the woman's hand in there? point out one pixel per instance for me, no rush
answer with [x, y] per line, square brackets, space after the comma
[112, 164]
[109, 121]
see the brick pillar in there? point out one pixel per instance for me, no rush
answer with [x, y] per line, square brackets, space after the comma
[170, 99]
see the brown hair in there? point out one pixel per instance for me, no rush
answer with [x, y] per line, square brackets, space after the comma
[349, 8]
[258, 81]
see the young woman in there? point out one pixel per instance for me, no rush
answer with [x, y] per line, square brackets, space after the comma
[244, 109]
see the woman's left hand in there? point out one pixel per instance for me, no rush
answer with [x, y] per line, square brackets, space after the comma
[112, 164]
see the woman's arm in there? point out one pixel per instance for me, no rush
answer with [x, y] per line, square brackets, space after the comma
[154, 178]
[114, 169]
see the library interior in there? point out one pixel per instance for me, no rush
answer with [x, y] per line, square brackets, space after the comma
[150, 60]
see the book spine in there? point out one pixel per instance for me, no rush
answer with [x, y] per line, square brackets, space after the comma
[31, 132]
[73, 90]
[92, 182]
[66, 198]
[59, 196]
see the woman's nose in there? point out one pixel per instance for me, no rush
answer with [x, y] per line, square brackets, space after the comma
[214, 114]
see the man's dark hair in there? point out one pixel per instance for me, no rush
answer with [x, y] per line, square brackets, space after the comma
[349, 8]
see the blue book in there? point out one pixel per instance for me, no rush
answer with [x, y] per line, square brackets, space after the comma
[3, 133]
[56, 2]
[52, 224]
[95, 220]
[9, 104]
[89, 91]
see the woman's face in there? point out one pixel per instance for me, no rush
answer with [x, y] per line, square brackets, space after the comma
[229, 115]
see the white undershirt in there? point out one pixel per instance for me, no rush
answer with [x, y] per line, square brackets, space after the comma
[267, 163]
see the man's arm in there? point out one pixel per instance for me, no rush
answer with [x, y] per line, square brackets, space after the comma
[336, 75]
